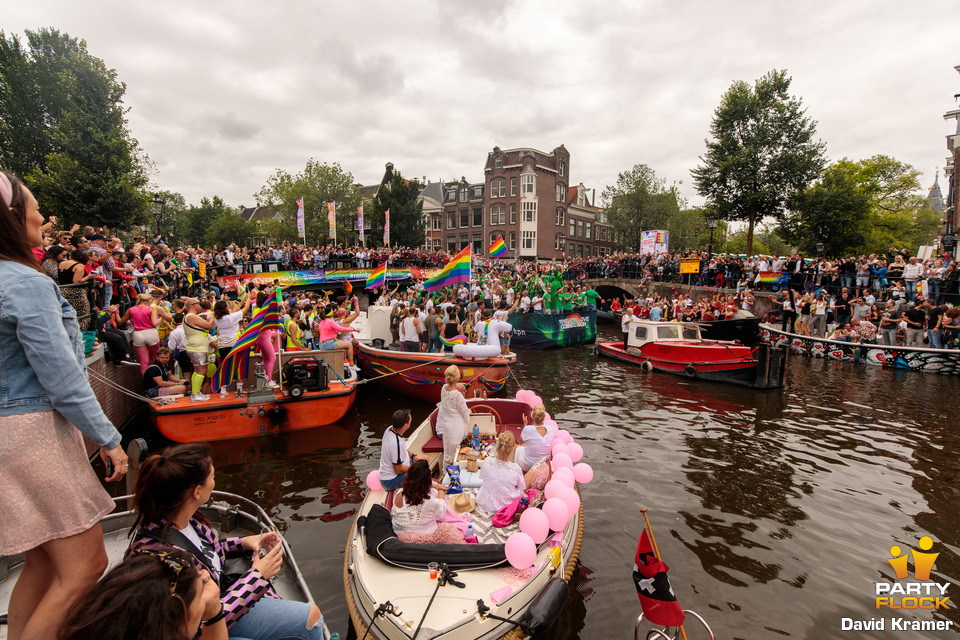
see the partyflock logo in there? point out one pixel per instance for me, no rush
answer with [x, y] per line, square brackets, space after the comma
[918, 595]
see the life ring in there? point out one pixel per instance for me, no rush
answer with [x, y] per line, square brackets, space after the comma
[646, 365]
[473, 351]
[690, 371]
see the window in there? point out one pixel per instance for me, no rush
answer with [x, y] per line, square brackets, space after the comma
[437, 223]
[563, 167]
[668, 333]
[451, 244]
[560, 191]
[513, 241]
[493, 237]
[588, 230]
[691, 333]
[498, 162]
[513, 214]
[513, 186]
[579, 228]
[640, 333]
[529, 211]
[529, 239]
[464, 241]
[452, 195]
[478, 243]
[478, 192]
[437, 244]
[559, 217]
[478, 216]
[452, 220]
[528, 183]
[580, 197]
[558, 242]
[573, 228]
[464, 218]
[503, 188]
[497, 214]
[463, 194]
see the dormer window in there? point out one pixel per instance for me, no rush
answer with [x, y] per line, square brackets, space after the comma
[498, 162]
[562, 168]
[463, 194]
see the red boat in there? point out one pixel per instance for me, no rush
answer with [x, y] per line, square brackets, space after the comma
[421, 374]
[306, 399]
[676, 347]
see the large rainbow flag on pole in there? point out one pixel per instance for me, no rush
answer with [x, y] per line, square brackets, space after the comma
[498, 249]
[377, 278]
[236, 364]
[456, 271]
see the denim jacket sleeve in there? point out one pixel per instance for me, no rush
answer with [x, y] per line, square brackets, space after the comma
[34, 305]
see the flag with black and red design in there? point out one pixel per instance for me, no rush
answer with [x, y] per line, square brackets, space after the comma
[657, 599]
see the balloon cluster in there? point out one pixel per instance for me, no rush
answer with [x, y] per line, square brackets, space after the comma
[562, 499]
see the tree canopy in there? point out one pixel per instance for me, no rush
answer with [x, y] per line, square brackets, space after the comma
[763, 152]
[639, 201]
[64, 131]
[407, 226]
[318, 184]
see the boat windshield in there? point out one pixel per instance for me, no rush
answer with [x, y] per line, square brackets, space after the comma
[670, 332]
[691, 333]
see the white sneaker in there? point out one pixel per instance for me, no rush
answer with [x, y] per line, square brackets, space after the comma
[196, 397]
[353, 367]
[270, 385]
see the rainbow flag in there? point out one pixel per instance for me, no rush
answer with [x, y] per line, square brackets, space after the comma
[377, 277]
[498, 249]
[456, 271]
[771, 277]
[461, 339]
[236, 364]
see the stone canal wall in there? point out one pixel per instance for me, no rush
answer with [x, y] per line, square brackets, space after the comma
[118, 406]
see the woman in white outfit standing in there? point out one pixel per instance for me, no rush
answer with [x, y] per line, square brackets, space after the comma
[454, 414]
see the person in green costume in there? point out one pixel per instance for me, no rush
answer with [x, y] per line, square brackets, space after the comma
[592, 297]
[566, 300]
[553, 298]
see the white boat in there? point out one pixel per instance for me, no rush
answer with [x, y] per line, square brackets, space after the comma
[382, 574]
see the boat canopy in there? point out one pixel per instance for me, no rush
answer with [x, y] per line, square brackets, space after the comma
[644, 331]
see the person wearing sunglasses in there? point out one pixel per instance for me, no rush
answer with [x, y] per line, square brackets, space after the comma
[155, 594]
[170, 489]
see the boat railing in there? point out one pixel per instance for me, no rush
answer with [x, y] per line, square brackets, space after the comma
[670, 633]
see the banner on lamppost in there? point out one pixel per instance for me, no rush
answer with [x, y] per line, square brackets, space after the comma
[653, 242]
[360, 223]
[332, 221]
[301, 229]
[386, 228]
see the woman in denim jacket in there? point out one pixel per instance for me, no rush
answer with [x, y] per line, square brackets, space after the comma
[50, 500]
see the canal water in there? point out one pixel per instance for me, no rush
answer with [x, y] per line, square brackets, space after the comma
[775, 510]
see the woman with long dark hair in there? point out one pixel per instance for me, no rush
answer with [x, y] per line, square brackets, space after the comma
[419, 506]
[157, 594]
[50, 500]
[170, 489]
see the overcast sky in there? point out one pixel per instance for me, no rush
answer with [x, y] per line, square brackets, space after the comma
[223, 93]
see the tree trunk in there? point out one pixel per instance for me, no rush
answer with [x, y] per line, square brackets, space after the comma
[750, 222]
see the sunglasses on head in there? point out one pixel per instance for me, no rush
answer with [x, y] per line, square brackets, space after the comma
[175, 565]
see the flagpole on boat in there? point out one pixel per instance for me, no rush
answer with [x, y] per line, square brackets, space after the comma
[656, 550]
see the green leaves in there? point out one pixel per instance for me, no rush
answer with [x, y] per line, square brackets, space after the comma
[763, 152]
[407, 225]
[640, 201]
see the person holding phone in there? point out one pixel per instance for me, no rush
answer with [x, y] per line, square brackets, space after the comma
[50, 500]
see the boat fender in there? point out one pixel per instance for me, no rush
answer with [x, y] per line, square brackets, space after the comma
[690, 371]
[646, 365]
[545, 608]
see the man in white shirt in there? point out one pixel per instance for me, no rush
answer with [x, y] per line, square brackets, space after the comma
[524, 302]
[625, 324]
[911, 275]
[394, 458]
[537, 303]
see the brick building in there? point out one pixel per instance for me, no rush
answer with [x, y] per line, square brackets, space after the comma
[951, 218]
[463, 215]
[431, 193]
[527, 201]
[588, 233]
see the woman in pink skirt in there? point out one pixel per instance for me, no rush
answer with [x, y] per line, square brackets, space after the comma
[50, 500]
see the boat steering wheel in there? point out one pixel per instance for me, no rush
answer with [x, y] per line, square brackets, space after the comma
[497, 420]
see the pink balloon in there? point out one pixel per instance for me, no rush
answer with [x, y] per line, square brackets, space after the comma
[520, 394]
[549, 422]
[570, 498]
[521, 550]
[557, 513]
[535, 524]
[583, 473]
[552, 489]
[536, 400]
[547, 419]
[555, 429]
[562, 460]
[564, 475]
[373, 480]
[565, 436]
[556, 446]
[575, 451]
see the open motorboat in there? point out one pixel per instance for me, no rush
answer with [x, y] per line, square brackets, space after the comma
[420, 374]
[678, 348]
[390, 593]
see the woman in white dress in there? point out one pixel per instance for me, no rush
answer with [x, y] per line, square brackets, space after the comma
[454, 414]
[418, 507]
[502, 479]
[536, 440]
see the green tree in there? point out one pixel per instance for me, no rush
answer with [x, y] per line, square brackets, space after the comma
[407, 226]
[174, 211]
[197, 220]
[766, 241]
[65, 131]
[318, 184]
[834, 210]
[763, 152]
[688, 230]
[639, 201]
[227, 228]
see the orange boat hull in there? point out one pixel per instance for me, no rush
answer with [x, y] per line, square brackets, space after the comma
[252, 415]
[421, 374]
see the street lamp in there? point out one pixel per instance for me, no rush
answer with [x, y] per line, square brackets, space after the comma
[711, 224]
[819, 249]
[158, 204]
